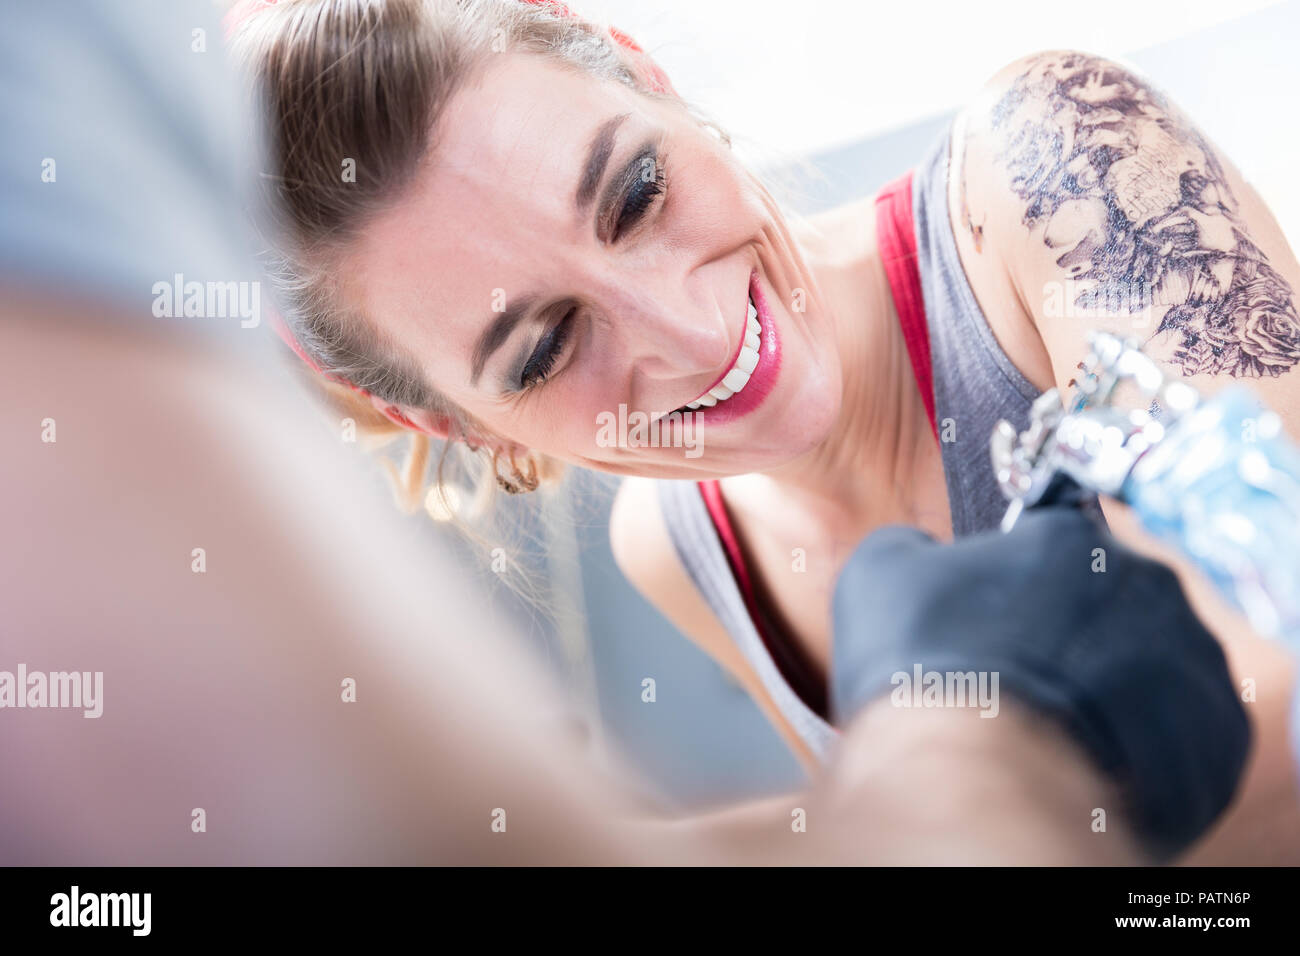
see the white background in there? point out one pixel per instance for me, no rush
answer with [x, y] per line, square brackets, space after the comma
[807, 76]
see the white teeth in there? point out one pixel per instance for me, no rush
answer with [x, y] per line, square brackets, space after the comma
[738, 376]
[736, 379]
[747, 361]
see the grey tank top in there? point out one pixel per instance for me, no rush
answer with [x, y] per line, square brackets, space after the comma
[975, 385]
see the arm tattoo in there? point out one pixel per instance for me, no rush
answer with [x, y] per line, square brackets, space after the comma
[1141, 210]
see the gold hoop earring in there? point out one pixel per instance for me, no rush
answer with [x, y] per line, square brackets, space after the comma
[519, 482]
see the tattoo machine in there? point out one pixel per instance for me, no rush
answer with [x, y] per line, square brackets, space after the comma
[1215, 476]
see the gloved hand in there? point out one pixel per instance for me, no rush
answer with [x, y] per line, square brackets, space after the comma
[1116, 656]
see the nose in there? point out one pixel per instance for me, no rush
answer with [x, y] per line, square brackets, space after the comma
[674, 326]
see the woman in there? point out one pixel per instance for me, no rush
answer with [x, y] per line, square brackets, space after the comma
[502, 228]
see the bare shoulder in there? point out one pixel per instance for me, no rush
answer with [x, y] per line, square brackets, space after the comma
[639, 539]
[644, 552]
[643, 549]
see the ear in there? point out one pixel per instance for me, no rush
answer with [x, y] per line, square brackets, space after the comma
[429, 423]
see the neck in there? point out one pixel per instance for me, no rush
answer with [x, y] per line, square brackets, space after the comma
[880, 460]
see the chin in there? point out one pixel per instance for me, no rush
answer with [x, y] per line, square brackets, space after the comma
[796, 422]
[806, 418]
[813, 400]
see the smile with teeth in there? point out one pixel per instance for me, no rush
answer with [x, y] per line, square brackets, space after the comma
[738, 377]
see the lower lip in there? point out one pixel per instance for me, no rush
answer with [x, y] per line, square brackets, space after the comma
[763, 379]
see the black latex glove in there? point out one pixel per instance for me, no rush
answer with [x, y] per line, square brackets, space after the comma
[1117, 657]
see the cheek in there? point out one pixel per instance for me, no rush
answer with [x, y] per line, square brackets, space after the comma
[556, 421]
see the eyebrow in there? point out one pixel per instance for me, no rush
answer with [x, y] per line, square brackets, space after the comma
[598, 153]
[500, 325]
[498, 331]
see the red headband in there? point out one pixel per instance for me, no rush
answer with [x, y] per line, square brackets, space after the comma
[653, 76]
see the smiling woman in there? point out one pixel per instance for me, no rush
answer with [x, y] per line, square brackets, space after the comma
[469, 193]
[570, 244]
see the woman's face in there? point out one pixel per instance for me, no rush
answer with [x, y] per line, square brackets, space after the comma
[541, 281]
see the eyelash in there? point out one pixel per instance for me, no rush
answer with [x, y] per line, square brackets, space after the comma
[542, 361]
[639, 199]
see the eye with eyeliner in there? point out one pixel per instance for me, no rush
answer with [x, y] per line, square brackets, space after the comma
[547, 352]
[641, 193]
[646, 183]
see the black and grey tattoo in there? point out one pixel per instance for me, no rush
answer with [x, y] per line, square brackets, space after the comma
[1141, 208]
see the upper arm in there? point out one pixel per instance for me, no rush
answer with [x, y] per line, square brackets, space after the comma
[1111, 210]
[640, 542]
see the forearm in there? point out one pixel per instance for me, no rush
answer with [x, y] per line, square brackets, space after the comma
[946, 786]
[933, 786]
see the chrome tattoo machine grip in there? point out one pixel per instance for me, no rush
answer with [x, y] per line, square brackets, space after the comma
[1215, 476]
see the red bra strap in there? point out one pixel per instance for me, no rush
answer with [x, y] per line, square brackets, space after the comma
[798, 671]
[896, 238]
